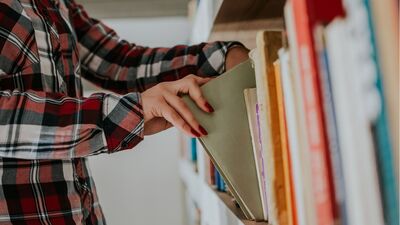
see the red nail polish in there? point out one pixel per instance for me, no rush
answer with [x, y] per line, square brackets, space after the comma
[209, 107]
[203, 131]
[195, 133]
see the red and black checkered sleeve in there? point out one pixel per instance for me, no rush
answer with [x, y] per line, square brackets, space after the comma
[39, 125]
[120, 66]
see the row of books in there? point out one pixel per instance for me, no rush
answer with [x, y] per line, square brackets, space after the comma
[323, 119]
[192, 151]
[307, 131]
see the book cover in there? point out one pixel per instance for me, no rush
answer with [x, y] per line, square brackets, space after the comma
[250, 97]
[228, 142]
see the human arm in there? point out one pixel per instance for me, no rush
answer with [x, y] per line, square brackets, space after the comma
[120, 66]
[40, 125]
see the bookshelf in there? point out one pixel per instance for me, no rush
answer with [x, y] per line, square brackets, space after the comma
[240, 20]
[217, 207]
[225, 20]
[323, 73]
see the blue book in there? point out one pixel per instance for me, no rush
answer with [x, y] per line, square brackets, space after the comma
[222, 185]
[217, 178]
[384, 152]
[193, 149]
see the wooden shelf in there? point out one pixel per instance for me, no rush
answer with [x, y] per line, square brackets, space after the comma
[244, 32]
[240, 20]
[235, 20]
[233, 11]
[217, 208]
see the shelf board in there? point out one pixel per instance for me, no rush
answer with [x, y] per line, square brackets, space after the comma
[232, 11]
[227, 200]
[241, 20]
[244, 32]
[204, 195]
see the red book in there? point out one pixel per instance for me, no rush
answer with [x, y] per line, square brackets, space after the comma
[307, 13]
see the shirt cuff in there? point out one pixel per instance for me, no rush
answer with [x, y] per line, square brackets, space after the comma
[215, 57]
[123, 121]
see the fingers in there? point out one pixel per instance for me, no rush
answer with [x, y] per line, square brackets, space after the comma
[192, 85]
[201, 80]
[176, 120]
[163, 101]
[179, 105]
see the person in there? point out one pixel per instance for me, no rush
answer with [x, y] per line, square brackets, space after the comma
[48, 128]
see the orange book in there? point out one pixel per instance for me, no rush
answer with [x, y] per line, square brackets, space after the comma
[278, 185]
[289, 190]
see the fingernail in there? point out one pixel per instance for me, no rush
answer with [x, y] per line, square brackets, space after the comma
[203, 131]
[195, 133]
[209, 107]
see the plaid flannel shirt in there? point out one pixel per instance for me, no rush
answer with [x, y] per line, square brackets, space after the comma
[47, 127]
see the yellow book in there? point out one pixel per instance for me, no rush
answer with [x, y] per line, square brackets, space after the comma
[289, 197]
[273, 133]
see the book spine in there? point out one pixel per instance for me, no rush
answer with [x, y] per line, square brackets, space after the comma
[296, 125]
[382, 136]
[212, 173]
[289, 128]
[261, 161]
[222, 186]
[193, 149]
[319, 155]
[217, 179]
[331, 127]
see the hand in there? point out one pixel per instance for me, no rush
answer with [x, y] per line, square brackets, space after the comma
[163, 108]
[235, 56]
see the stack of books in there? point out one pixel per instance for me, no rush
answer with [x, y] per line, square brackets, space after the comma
[306, 131]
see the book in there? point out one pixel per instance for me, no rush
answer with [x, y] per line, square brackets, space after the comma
[211, 169]
[217, 179]
[298, 142]
[381, 132]
[268, 44]
[193, 149]
[228, 142]
[385, 17]
[308, 13]
[294, 166]
[250, 97]
[354, 129]
[330, 121]
[281, 120]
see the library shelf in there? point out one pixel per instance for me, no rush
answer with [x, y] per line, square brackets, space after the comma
[226, 20]
[217, 208]
[240, 20]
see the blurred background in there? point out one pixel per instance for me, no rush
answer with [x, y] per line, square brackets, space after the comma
[142, 186]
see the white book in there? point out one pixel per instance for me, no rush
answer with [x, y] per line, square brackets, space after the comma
[250, 97]
[255, 56]
[350, 79]
[293, 137]
[299, 148]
